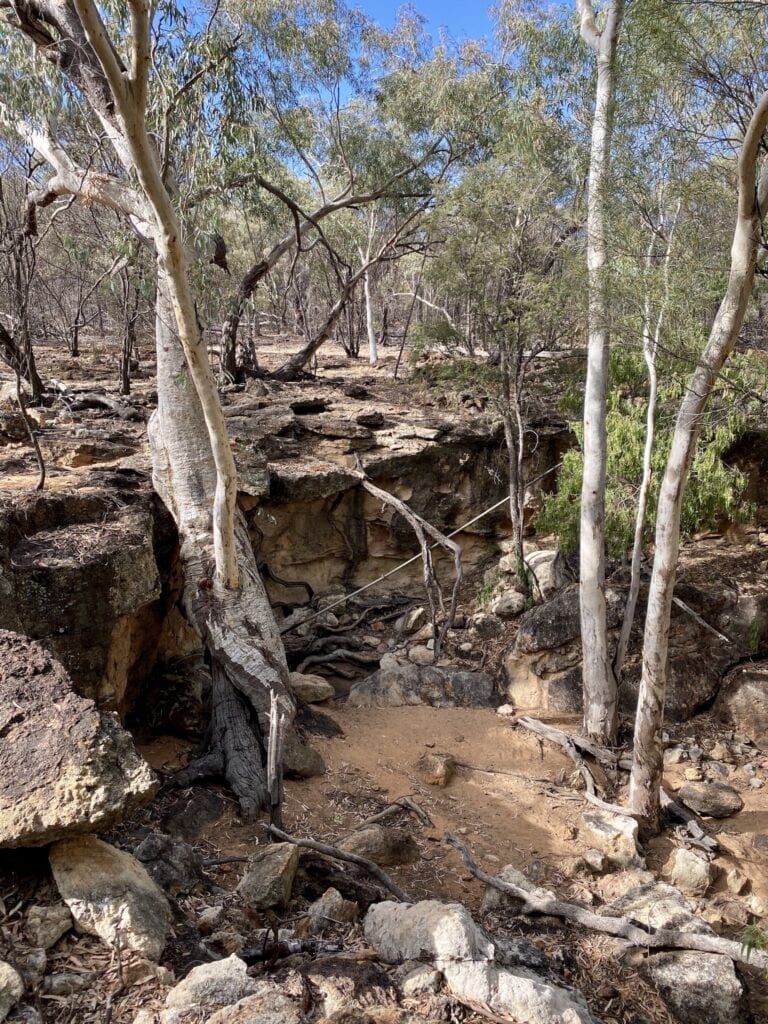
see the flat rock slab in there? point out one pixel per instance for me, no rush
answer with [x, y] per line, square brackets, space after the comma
[65, 768]
[111, 895]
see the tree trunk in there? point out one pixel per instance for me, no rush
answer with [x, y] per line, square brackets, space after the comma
[647, 763]
[236, 625]
[373, 356]
[600, 691]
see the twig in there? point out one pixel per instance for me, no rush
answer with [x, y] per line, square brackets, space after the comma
[341, 654]
[31, 432]
[541, 902]
[351, 858]
[275, 760]
[403, 804]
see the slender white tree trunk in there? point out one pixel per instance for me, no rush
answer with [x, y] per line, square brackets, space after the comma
[373, 355]
[600, 691]
[650, 348]
[647, 763]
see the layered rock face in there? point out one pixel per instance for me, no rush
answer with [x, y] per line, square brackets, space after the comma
[65, 768]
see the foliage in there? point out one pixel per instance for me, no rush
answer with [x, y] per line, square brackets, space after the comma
[714, 490]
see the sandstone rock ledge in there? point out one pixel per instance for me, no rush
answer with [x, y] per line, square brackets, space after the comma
[65, 768]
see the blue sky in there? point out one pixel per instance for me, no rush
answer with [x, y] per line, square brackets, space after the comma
[462, 18]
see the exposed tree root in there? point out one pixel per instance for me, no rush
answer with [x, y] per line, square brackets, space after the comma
[539, 902]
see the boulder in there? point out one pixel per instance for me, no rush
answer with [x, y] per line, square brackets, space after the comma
[46, 925]
[11, 988]
[210, 987]
[300, 759]
[697, 987]
[310, 689]
[712, 799]
[421, 655]
[445, 935]
[509, 605]
[268, 1006]
[384, 846]
[549, 572]
[616, 837]
[397, 684]
[111, 895]
[557, 622]
[343, 983]
[690, 872]
[268, 879]
[65, 768]
[743, 701]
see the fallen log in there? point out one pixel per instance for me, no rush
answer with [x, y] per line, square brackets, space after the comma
[540, 902]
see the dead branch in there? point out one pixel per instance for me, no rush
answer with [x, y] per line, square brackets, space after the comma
[423, 529]
[540, 902]
[351, 858]
[403, 804]
[31, 431]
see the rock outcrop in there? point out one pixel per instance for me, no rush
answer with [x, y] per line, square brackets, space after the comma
[65, 768]
[399, 683]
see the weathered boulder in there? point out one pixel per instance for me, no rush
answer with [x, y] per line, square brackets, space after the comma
[268, 1006]
[345, 984]
[712, 799]
[310, 689]
[397, 684]
[616, 836]
[509, 604]
[438, 768]
[268, 879]
[557, 622]
[697, 987]
[446, 936]
[65, 768]
[11, 988]
[743, 701]
[382, 845]
[690, 872]
[111, 895]
[210, 987]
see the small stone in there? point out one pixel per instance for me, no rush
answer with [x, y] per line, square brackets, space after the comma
[421, 979]
[438, 768]
[33, 968]
[689, 872]
[735, 881]
[384, 846]
[757, 905]
[756, 783]
[616, 836]
[311, 689]
[332, 909]
[210, 919]
[505, 710]
[714, 799]
[594, 860]
[721, 753]
[486, 626]
[67, 983]
[268, 1006]
[693, 774]
[509, 605]
[46, 925]
[11, 988]
[268, 879]
[466, 648]
[414, 619]
[421, 655]
[695, 753]
[674, 755]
